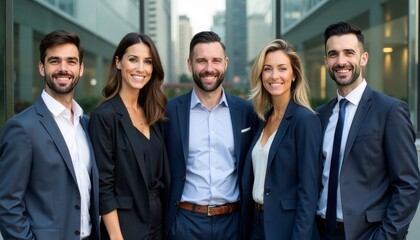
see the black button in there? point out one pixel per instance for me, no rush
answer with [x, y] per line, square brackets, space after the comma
[77, 232]
[183, 178]
[77, 207]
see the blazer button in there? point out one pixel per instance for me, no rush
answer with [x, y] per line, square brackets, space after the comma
[183, 178]
[77, 232]
[77, 207]
[267, 191]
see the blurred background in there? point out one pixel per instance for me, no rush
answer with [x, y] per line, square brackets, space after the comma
[391, 28]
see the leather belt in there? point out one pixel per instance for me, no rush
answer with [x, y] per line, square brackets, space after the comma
[322, 223]
[210, 210]
[259, 207]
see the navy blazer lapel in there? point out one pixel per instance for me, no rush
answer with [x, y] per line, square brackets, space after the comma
[358, 119]
[130, 131]
[284, 125]
[235, 117]
[47, 120]
[183, 114]
[326, 112]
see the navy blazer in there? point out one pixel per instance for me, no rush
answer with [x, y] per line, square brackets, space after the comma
[39, 196]
[122, 170]
[292, 175]
[176, 131]
[379, 177]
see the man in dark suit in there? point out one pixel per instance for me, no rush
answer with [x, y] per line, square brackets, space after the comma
[376, 169]
[207, 136]
[49, 179]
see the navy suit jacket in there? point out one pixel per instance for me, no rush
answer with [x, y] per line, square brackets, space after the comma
[39, 196]
[379, 178]
[292, 176]
[177, 143]
[123, 173]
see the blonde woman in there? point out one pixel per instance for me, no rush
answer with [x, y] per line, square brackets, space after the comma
[280, 179]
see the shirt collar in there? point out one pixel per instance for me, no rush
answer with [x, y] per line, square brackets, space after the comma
[56, 108]
[355, 95]
[196, 101]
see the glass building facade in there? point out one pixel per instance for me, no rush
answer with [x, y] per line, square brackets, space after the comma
[391, 28]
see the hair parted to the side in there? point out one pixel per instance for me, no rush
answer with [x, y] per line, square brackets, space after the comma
[59, 37]
[260, 97]
[205, 37]
[151, 99]
[341, 28]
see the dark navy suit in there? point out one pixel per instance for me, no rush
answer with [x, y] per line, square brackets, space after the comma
[39, 196]
[379, 175]
[177, 143]
[292, 177]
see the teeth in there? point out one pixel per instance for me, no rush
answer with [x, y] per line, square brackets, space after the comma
[343, 71]
[276, 84]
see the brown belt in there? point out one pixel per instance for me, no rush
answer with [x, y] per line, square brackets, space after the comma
[259, 207]
[210, 210]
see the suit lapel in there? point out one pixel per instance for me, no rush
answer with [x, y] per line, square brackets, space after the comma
[183, 114]
[235, 116]
[325, 113]
[47, 120]
[358, 119]
[130, 131]
[284, 125]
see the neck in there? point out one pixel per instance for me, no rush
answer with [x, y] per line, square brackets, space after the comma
[209, 99]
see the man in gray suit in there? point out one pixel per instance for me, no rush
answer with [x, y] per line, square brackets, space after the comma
[370, 178]
[48, 175]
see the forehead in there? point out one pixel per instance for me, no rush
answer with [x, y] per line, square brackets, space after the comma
[277, 57]
[138, 49]
[346, 41]
[208, 50]
[63, 51]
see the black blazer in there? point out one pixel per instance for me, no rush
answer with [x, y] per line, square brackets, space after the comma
[122, 171]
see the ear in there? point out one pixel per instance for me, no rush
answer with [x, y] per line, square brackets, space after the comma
[82, 68]
[364, 59]
[41, 68]
[117, 63]
[227, 63]
[189, 62]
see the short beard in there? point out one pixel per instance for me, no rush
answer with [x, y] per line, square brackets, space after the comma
[354, 77]
[200, 84]
[61, 90]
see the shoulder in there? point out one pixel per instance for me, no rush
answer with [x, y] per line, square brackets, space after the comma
[244, 103]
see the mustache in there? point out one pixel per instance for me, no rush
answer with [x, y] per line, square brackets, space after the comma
[63, 74]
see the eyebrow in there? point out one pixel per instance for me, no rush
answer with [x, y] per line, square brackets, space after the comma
[59, 58]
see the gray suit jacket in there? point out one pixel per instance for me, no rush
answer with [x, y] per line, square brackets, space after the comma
[379, 176]
[39, 196]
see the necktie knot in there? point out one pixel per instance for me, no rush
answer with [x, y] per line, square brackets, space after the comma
[343, 102]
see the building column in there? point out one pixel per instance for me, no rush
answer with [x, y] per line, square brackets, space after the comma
[375, 38]
[26, 78]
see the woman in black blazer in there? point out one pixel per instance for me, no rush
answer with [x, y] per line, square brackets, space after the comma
[128, 144]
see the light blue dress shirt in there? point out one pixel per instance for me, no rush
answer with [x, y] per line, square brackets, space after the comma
[211, 176]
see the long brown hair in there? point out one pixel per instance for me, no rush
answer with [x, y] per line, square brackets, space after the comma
[152, 99]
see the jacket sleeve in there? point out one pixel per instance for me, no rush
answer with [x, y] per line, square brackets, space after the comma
[15, 168]
[401, 156]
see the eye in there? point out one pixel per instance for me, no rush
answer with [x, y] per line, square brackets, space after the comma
[148, 61]
[133, 60]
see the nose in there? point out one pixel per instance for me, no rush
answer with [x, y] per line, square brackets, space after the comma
[140, 66]
[341, 59]
[276, 74]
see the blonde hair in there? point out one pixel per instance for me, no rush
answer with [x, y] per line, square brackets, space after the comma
[260, 97]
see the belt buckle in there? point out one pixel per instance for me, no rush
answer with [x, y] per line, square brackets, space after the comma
[209, 209]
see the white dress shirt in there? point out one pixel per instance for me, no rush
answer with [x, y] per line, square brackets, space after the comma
[77, 144]
[354, 98]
